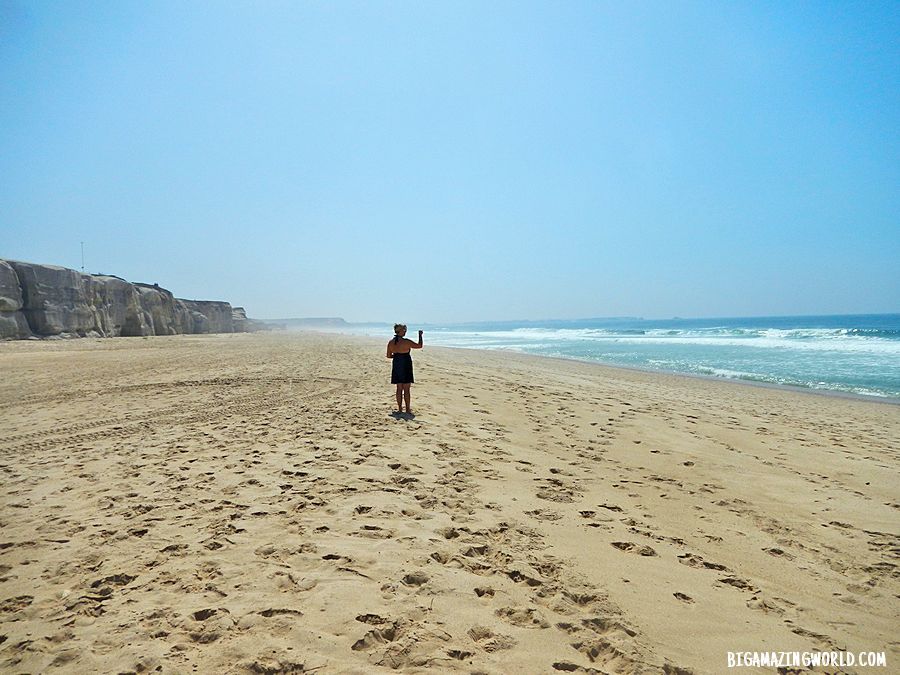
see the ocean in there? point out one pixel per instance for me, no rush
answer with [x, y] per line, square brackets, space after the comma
[857, 355]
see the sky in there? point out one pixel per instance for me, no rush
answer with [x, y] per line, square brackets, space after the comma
[460, 161]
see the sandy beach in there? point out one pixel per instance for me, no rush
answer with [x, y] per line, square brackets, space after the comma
[248, 504]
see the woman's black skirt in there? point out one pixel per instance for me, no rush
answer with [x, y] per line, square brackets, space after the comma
[402, 370]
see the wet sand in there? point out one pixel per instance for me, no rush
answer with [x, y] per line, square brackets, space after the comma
[248, 504]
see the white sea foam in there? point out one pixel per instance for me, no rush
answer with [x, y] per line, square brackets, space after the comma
[842, 358]
[801, 339]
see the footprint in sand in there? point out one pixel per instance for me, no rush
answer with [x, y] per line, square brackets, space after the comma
[490, 641]
[275, 612]
[778, 553]
[211, 624]
[631, 547]
[598, 640]
[741, 584]
[524, 618]
[694, 560]
[544, 514]
[15, 604]
[415, 579]
[441, 556]
[374, 532]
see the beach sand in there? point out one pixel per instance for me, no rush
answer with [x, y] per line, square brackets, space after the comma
[248, 504]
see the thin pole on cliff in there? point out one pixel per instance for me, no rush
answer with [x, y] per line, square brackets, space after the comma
[82, 257]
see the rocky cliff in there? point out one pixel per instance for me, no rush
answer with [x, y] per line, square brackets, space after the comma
[46, 300]
[12, 319]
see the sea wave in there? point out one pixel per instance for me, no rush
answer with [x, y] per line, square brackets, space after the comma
[761, 378]
[854, 355]
[843, 340]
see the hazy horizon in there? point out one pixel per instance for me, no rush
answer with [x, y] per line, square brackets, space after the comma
[449, 163]
[649, 319]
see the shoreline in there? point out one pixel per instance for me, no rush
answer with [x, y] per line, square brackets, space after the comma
[831, 393]
[234, 503]
[827, 393]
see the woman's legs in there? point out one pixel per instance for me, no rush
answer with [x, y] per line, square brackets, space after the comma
[406, 395]
[400, 398]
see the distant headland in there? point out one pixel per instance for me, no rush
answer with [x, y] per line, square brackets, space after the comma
[48, 301]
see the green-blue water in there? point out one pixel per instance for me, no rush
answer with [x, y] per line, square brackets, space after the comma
[851, 354]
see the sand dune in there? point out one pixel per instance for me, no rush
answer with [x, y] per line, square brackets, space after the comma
[247, 504]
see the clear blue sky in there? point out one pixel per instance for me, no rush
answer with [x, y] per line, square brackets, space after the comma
[432, 162]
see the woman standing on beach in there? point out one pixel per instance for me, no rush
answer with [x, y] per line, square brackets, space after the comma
[402, 370]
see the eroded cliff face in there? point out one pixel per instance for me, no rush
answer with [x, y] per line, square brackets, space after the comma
[47, 300]
[13, 324]
[218, 315]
